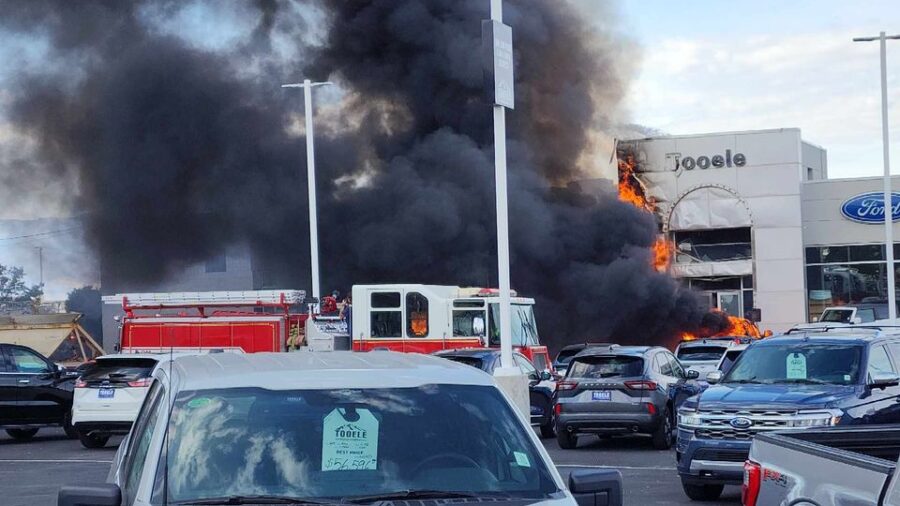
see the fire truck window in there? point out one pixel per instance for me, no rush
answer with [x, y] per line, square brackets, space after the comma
[464, 323]
[387, 324]
[386, 300]
[416, 315]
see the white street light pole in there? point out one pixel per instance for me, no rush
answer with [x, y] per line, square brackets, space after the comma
[506, 356]
[307, 86]
[888, 201]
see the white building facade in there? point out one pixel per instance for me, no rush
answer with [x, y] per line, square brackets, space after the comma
[756, 224]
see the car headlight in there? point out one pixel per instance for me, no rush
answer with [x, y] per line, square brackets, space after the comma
[688, 419]
[816, 419]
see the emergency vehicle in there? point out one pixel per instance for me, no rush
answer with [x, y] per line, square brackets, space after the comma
[248, 321]
[428, 318]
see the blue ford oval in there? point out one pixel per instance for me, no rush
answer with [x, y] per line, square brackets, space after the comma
[869, 207]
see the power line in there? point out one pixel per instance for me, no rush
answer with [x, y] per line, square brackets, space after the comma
[39, 234]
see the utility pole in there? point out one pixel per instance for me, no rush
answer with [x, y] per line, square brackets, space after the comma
[41, 262]
[888, 200]
[307, 86]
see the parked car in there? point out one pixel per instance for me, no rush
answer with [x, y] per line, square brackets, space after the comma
[704, 355]
[109, 394]
[540, 384]
[792, 382]
[332, 427]
[826, 467]
[616, 390]
[34, 393]
[565, 355]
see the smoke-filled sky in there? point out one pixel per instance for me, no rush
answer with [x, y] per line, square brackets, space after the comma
[175, 141]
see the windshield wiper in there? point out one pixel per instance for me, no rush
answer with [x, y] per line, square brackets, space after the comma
[751, 381]
[803, 381]
[254, 499]
[407, 494]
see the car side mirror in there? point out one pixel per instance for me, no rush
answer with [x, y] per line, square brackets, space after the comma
[546, 376]
[714, 377]
[815, 319]
[692, 374]
[97, 495]
[856, 320]
[883, 380]
[596, 486]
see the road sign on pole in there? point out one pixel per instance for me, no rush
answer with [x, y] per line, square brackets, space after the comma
[497, 63]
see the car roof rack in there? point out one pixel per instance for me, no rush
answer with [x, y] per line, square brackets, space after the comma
[878, 330]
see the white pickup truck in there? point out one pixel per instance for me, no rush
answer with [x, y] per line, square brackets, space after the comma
[859, 314]
[822, 467]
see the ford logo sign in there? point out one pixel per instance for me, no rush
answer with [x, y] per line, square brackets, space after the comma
[869, 207]
[740, 422]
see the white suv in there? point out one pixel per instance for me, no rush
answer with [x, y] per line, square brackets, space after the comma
[333, 427]
[109, 394]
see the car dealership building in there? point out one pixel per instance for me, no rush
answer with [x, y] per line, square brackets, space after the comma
[756, 223]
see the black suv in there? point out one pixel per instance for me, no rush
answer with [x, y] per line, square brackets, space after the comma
[34, 393]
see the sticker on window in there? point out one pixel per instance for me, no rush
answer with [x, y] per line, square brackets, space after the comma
[796, 366]
[349, 440]
[522, 459]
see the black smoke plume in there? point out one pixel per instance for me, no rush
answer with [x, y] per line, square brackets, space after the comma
[181, 148]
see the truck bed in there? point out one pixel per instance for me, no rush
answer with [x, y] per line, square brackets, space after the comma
[879, 441]
[827, 466]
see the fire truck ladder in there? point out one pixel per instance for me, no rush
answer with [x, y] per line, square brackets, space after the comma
[271, 298]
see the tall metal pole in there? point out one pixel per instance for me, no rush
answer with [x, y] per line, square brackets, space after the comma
[41, 262]
[888, 200]
[307, 86]
[506, 356]
[311, 187]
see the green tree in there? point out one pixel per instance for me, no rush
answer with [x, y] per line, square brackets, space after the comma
[13, 287]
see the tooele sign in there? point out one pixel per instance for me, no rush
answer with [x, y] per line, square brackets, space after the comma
[714, 161]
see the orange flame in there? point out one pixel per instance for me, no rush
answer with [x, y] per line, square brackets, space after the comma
[662, 254]
[631, 191]
[737, 327]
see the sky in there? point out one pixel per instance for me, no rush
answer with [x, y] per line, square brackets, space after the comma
[710, 66]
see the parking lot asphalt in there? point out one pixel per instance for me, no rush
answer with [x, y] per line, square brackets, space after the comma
[31, 473]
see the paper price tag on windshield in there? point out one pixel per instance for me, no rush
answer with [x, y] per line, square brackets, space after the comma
[796, 366]
[348, 444]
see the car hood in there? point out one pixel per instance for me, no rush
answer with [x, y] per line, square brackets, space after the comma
[773, 396]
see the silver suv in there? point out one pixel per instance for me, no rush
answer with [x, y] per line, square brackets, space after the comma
[335, 428]
[618, 390]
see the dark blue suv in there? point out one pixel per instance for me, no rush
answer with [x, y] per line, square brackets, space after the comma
[815, 378]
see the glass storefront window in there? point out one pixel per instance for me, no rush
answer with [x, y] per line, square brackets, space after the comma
[867, 253]
[832, 254]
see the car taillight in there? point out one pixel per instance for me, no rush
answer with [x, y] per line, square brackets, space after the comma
[557, 408]
[567, 385]
[143, 382]
[651, 408]
[80, 383]
[750, 488]
[641, 385]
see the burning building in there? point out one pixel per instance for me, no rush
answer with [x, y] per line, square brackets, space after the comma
[755, 226]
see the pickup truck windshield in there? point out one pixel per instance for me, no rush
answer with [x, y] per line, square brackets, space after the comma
[805, 363]
[344, 443]
[707, 353]
[837, 316]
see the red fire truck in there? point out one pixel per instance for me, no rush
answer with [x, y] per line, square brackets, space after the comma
[402, 317]
[248, 321]
[428, 318]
